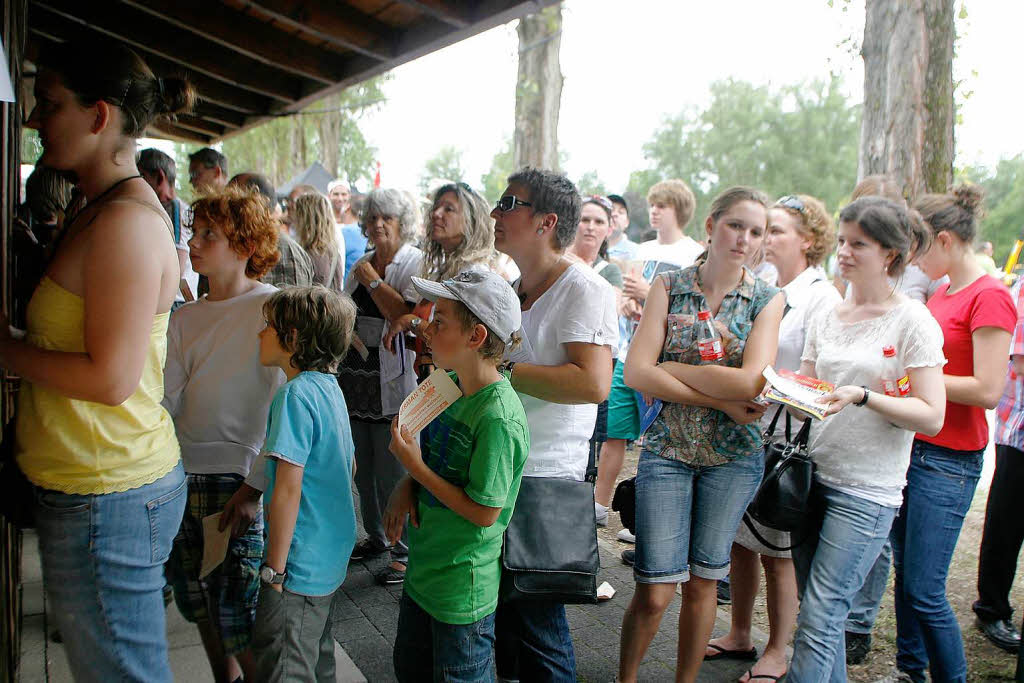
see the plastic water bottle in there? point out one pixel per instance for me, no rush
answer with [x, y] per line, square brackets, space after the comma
[708, 340]
[895, 381]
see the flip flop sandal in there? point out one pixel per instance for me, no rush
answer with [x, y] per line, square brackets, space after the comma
[766, 677]
[722, 653]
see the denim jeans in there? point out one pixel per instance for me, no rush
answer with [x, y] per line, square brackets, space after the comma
[940, 487]
[103, 566]
[830, 568]
[687, 516]
[429, 650]
[532, 642]
[865, 606]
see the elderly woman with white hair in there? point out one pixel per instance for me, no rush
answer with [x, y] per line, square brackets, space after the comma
[374, 381]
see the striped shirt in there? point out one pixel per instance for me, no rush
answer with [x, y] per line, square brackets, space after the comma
[1010, 411]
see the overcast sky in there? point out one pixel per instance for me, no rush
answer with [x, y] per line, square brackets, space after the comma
[629, 65]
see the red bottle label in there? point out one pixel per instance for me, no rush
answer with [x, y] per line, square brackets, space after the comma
[711, 349]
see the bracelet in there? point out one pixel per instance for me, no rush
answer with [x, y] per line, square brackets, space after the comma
[864, 400]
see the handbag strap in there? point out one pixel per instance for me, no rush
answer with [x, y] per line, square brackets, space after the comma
[771, 425]
[768, 544]
[591, 475]
[804, 434]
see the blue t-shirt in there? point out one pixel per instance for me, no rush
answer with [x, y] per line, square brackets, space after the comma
[308, 426]
[355, 244]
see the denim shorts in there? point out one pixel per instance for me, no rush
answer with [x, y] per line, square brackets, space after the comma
[687, 517]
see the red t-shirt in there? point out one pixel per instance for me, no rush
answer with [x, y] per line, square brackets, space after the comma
[984, 303]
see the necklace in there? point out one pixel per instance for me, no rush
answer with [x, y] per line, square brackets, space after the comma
[544, 285]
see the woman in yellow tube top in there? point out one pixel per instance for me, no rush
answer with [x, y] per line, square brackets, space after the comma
[91, 433]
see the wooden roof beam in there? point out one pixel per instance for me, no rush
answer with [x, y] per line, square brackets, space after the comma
[245, 35]
[149, 34]
[215, 113]
[197, 124]
[166, 129]
[439, 9]
[336, 23]
[55, 30]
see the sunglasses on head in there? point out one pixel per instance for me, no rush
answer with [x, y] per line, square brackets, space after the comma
[791, 202]
[603, 202]
[509, 202]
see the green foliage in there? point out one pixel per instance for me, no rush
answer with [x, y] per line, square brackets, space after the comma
[589, 183]
[1004, 200]
[31, 147]
[327, 131]
[801, 138]
[493, 183]
[445, 166]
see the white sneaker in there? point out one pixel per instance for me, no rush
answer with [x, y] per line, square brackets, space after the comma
[624, 535]
[601, 514]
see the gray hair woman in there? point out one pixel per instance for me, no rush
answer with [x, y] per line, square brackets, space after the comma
[376, 381]
[460, 235]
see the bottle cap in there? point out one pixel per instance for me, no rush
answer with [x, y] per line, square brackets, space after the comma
[704, 315]
[889, 351]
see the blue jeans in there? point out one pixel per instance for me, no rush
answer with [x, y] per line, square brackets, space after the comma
[940, 487]
[687, 516]
[533, 642]
[430, 650]
[830, 568]
[103, 566]
[865, 606]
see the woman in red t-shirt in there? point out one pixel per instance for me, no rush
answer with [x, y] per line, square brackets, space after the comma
[977, 316]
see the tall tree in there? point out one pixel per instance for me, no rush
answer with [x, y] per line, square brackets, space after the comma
[907, 130]
[445, 166]
[538, 89]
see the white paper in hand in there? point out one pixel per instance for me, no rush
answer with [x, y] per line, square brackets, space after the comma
[215, 544]
[429, 400]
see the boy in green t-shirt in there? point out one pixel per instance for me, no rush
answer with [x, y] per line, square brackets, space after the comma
[461, 489]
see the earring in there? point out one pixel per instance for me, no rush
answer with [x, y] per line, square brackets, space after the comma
[540, 231]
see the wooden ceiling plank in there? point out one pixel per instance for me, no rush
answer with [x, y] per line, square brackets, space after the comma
[165, 129]
[244, 34]
[335, 23]
[215, 113]
[200, 125]
[210, 89]
[147, 33]
[438, 9]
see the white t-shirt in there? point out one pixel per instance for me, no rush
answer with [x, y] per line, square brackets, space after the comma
[857, 450]
[808, 295]
[579, 307]
[188, 275]
[214, 386]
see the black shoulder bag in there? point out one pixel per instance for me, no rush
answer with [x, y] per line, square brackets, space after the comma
[782, 499]
[550, 548]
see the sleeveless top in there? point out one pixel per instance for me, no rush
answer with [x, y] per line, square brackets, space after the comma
[82, 447]
[695, 435]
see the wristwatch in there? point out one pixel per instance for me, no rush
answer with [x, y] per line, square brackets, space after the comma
[269, 575]
[376, 283]
[865, 399]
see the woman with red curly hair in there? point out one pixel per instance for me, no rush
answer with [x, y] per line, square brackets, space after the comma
[219, 395]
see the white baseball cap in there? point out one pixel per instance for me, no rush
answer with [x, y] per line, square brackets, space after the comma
[485, 294]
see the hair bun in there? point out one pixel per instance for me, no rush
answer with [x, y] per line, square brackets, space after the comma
[177, 95]
[968, 197]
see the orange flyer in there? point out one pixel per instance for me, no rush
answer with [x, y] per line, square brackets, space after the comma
[799, 391]
[429, 400]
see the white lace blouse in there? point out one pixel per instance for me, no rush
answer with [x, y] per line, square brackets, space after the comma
[857, 450]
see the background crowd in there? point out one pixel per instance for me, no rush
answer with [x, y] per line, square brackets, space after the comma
[252, 365]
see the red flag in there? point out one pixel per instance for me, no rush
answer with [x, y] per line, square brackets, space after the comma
[376, 178]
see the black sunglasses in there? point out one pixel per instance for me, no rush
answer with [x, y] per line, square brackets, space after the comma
[509, 202]
[791, 202]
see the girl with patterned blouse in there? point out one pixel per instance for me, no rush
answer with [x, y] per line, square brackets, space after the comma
[702, 459]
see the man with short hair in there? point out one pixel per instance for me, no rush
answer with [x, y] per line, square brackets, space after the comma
[207, 170]
[619, 245]
[984, 257]
[159, 171]
[347, 231]
[294, 267]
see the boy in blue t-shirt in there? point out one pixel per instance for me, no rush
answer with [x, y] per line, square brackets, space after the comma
[462, 486]
[311, 525]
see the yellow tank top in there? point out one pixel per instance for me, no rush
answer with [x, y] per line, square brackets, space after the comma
[77, 446]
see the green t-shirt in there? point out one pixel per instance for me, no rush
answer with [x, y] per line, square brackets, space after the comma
[480, 444]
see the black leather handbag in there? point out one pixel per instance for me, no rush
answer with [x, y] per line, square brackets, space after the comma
[782, 500]
[550, 548]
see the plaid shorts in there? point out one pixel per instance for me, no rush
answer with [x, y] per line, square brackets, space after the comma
[230, 591]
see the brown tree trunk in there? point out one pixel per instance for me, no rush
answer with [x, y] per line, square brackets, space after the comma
[330, 143]
[907, 127]
[538, 89]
